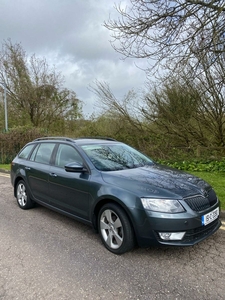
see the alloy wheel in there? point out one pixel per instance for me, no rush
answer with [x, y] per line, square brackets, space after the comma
[111, 229]
[21, 195]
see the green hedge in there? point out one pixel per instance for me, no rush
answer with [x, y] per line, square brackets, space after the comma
[12, 141]
[197, 165]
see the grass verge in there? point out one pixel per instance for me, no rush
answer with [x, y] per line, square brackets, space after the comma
[5, 167]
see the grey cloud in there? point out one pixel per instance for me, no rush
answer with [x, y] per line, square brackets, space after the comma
[70, 34]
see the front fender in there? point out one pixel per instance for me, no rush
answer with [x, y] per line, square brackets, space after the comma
[130, 203]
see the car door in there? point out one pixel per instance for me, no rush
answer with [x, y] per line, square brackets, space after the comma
[37, 171]
[69, 190]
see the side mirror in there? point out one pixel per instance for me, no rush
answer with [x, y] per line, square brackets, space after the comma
[75, 167]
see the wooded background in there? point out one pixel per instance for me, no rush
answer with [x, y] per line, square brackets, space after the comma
[181, 113]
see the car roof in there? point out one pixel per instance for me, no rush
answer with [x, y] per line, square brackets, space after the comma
[80, 141]
[87, 141]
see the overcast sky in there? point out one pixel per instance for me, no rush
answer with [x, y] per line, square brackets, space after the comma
[71, 36]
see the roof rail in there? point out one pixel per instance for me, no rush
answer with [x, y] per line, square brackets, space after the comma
[55, 138]
[96, 137]
[45, 138]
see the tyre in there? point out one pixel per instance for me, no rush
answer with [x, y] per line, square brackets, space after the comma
[22, 196]
[115, 229]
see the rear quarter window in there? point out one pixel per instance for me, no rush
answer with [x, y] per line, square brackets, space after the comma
[43, 153]
[24, 153]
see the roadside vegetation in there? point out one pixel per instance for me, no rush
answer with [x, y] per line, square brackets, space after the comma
[5, 167]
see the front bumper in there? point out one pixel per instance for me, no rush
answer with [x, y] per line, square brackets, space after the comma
[148, 232]
[193, 236]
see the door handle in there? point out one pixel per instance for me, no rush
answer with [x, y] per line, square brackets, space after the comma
[53, 174]
[27, 168]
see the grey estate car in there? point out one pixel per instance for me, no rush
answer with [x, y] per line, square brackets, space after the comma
[123, 194]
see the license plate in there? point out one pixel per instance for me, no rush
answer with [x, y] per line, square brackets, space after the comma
[210, 217]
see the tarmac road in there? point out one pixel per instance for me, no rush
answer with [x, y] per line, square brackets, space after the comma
[44, 255]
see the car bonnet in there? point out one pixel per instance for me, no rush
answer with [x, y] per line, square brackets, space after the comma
[157, 180]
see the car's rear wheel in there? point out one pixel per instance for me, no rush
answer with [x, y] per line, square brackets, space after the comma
[22, 196]
[115, 229]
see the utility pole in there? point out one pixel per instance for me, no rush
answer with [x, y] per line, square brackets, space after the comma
[5, 106]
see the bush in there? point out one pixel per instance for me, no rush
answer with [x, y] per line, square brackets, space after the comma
[197, 165]
[12, 141]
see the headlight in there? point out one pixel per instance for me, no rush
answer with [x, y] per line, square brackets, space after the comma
[162, 205]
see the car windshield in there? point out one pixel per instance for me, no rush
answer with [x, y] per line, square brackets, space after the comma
[115, 157]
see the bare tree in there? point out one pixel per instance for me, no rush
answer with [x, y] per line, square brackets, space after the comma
[189, 108]
[127, 107]
[187, 111]
[169, 31]
[173, 109]
[35, 91]
[209, 80]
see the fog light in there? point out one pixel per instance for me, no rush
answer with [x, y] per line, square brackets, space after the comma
[171, 236]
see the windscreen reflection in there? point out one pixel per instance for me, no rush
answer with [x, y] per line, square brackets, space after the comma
[115, 157]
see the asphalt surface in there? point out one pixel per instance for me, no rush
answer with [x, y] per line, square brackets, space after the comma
[44, 255]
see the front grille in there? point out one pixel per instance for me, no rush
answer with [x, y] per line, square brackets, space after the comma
[199, 202]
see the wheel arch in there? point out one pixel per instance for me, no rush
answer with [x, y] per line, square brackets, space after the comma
[104, 201]
[19, 178]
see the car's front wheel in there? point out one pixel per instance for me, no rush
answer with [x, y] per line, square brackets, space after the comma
[115, 229]
[22, 196]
